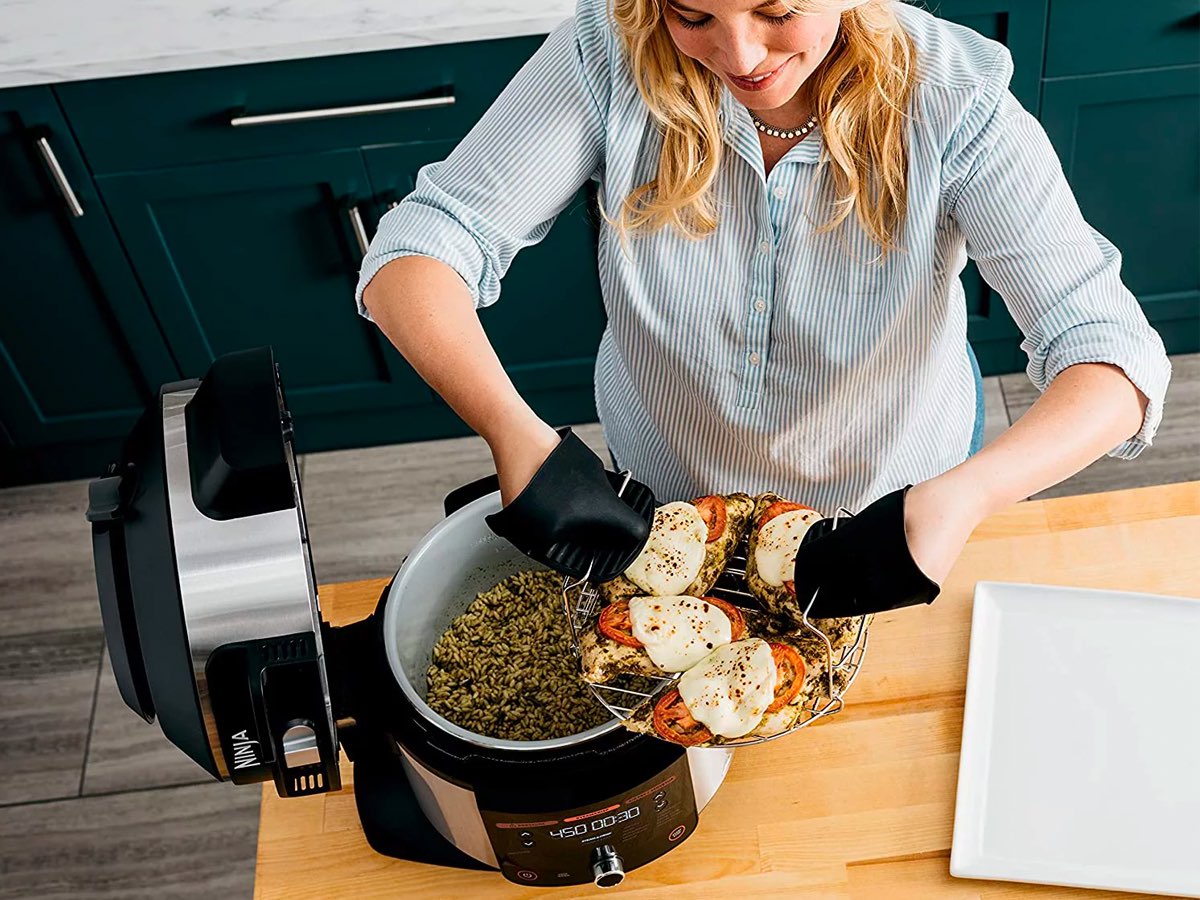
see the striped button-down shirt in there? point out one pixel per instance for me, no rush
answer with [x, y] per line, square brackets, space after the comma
[768, 356]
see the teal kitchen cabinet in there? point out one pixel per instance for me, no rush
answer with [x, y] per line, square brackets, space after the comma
[546, 326]
[1086, 37]
[1130, 145]
[267, 251]
[298, 106]
[80, 353]
[1020, 26]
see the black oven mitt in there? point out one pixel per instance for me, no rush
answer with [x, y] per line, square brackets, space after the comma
[570, 518]
[864, 566]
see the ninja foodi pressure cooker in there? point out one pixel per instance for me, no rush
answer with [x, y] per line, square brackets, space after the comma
[213, 624]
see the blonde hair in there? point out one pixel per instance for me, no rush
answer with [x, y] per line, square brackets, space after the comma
[861, 92]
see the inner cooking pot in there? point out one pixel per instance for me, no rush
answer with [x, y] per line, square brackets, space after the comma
[456, 561]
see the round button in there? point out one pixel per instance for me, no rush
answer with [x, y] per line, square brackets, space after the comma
[676, 833]
[760, 305]
[755, 359]
[765, 246]
[780, 193]
[526, 875]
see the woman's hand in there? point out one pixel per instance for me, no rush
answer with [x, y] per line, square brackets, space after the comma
[560, 506]
[519, 452]
[939, 516]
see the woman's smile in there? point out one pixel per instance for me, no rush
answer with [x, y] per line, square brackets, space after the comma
[758, 82]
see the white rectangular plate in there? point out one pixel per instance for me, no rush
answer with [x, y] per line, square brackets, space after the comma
[1081, 740]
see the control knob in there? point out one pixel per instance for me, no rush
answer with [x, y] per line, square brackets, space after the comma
[607, 868]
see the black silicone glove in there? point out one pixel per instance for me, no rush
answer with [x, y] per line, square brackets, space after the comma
[864, 566]
[569, 514]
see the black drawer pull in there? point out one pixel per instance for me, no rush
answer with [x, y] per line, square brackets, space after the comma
[1187, 23]
[338, 112]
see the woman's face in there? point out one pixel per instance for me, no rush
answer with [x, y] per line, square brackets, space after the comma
[761, 50]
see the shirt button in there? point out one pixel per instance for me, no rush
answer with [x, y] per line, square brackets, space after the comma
[760, 305]
[780, 193]
[755, 359]
[765, 246]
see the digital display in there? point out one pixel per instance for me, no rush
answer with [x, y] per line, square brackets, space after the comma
[561, 846]
[599, 824]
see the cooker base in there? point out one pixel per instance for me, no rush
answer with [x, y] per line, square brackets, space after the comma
[392, 819]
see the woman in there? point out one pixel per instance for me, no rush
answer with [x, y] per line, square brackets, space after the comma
[791, 189]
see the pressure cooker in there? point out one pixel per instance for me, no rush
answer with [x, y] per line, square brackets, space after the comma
[212, 616]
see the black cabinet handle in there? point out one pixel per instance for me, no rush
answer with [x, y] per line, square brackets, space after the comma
[1187, 23]
[59, 176]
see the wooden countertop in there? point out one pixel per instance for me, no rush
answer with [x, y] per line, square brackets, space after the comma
[860, 805]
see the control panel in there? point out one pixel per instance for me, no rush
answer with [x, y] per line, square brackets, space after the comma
[600, 842]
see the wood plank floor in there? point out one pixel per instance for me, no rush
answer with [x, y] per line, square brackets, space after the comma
[95, 803]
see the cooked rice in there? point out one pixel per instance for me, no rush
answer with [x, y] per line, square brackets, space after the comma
[505, 667]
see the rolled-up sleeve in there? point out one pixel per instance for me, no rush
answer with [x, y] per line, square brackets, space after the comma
[1058, 276]
[519, 166]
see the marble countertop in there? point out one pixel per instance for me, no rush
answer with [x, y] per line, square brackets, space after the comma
[46, 41]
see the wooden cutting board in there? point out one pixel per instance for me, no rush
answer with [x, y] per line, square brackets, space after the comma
[860, 805]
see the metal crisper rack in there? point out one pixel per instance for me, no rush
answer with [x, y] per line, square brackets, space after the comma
[582, 602]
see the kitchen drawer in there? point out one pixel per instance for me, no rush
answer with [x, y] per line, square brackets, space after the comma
[1088, 37]
[150, 121]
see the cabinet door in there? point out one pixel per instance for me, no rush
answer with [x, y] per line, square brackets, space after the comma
[1021, 26]
[242, 254]
[80, 353]
[1087, 38]
[547, 323]
[1130, 145]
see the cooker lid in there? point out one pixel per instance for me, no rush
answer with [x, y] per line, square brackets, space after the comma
[206, 583]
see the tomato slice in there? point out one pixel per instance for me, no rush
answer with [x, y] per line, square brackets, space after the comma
[778, 508]
[673, 722]
[715, 515]
[736, 622]
[789, 675]
[616, 624]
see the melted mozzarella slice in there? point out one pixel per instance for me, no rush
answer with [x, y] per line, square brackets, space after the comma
[775, 551]
[678, 632]
[673, 555]
[730, 689]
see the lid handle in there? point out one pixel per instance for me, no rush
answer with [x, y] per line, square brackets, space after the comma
[236, 433]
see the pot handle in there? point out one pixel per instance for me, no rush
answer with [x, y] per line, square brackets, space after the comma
[461, 496]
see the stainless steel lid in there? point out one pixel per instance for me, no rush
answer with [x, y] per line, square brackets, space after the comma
[206, 584]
